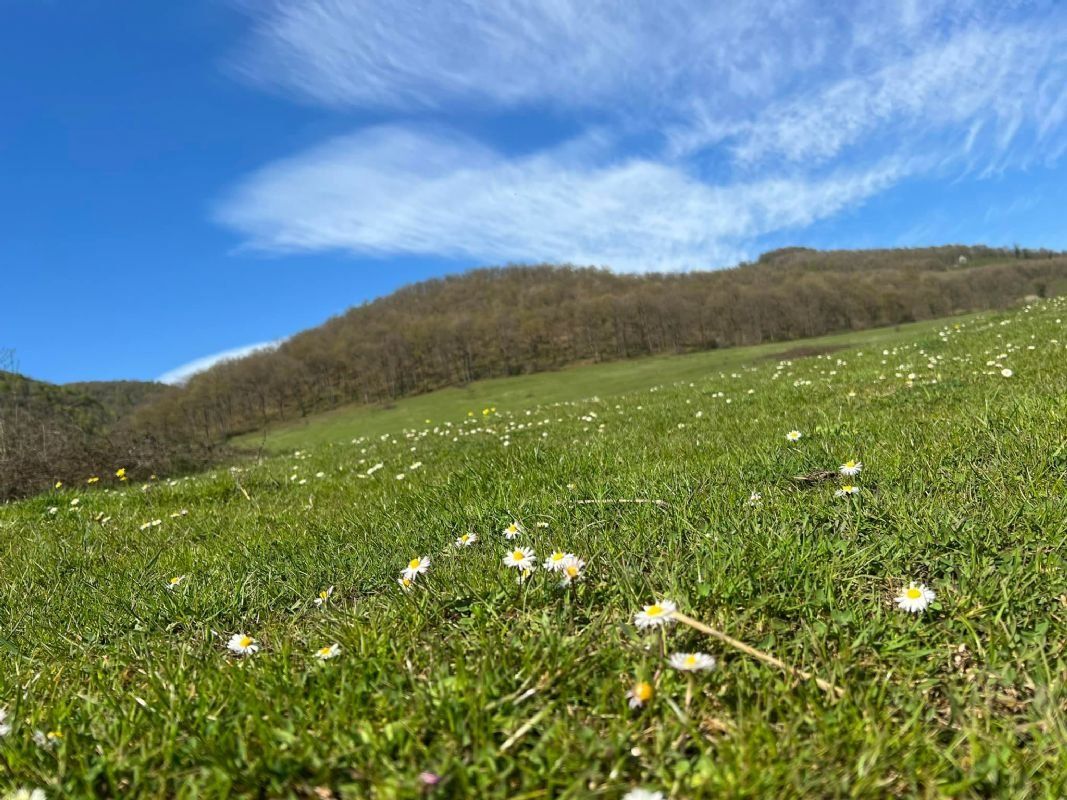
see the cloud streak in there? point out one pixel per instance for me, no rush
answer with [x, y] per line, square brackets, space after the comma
[762, 118]
[390, 190]
[180, 375]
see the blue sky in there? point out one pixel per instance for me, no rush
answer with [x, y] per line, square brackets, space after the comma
[179, 180]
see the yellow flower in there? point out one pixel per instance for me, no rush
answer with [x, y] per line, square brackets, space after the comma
[639, 694]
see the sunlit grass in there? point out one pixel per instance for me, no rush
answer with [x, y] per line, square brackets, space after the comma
[677, 482]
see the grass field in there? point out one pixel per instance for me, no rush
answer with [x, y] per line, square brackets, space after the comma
[474, 683]
[574, 383]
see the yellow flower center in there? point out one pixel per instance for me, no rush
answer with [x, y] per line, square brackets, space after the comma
[324, 651]
[245, 641]
[174, 580]
[558, 556]
[850, 464]
[571, 570]
[518, 555]
[654, 610]
[914, 593]
[414, 563]
[642, 691]
[690, 661]
[323, 595]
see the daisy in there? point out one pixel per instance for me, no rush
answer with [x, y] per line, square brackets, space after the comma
[175, 581]
[571, 569]
[846, 490]
[26, 794]
[466, 540]
[520, 558]
[851, 468]
[691, 662]
[416, 567]
[755, 499]
[554, 563]
[512, 530]
[242, 644]
[47, 740]
[794, 436]
[326, 653]
[405, 582]
[1007, 373]
[639, 694]
[642, 794]
[915, 598]
[324, 597]
[655, 615]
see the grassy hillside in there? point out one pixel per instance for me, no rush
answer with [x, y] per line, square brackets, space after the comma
[572, 383]
[116, 606]
[520, 320]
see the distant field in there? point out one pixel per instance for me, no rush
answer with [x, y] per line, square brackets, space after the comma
[574, 383]
[671, 479]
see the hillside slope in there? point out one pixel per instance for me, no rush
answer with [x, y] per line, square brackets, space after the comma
[569, 384]
[520, 320]
[118, 608]
[51, 432]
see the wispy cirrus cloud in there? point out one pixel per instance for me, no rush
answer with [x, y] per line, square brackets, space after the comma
[180, 375]
[763, 118]
[392, 190]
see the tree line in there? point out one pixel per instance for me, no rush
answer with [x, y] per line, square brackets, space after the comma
[520, 319]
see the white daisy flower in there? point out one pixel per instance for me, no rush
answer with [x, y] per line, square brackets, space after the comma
[512, 530]
[655, 615]
[416, 567]
[174, 582]
[242, 644]
[23, 793]
[324, 597]
[755, 499]
[850, 468]
[46, 740]
[1007, 373]
[639, 694]
[405, 582]
[554, 563]
[794, 436]
[691, 662]
[846, 490]
[915, 598]
[328, 652]
[643, 794]
[466, 540]
[521, 558]
[571, 569]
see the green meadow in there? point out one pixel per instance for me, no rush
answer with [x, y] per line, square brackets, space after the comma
[573, 383]
[670, 479]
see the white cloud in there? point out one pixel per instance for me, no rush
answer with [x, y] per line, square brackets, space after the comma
[762, 117]
[180, 375]
[977, 79]
[570, 53]
[391, 190]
